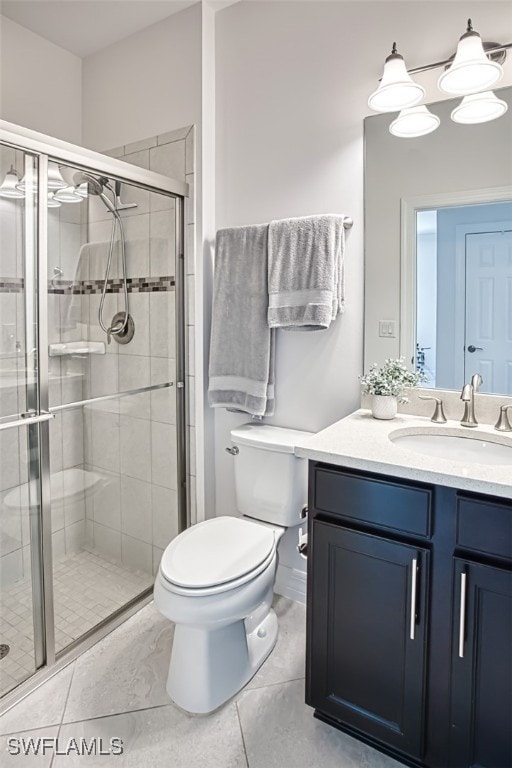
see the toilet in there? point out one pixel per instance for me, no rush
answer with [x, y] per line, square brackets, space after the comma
[216, 579]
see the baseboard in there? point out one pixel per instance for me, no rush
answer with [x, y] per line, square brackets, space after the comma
[291, 583]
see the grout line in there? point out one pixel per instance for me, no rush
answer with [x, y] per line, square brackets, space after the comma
[27, 699]
[273, 685]
[242, 734]
[117, 714]
[67, 697]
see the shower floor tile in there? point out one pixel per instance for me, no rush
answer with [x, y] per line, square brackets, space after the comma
[87, 589]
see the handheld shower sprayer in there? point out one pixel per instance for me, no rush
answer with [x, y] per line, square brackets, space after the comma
[120, 325]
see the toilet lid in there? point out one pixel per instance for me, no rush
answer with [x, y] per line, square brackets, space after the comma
[216, 551]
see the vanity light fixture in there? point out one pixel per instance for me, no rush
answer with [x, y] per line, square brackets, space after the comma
[397, 89]
[471, 69]
[470, 72]
[9, 186]
[52, 202]
[67, 195]
[479, 108]
[55, 180]
[413, 122]
[82, 190]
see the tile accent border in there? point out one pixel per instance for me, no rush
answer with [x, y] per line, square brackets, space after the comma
[115, 285]
[12, 284]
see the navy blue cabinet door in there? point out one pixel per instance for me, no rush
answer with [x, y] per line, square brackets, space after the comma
[481, 727]
[367, 638]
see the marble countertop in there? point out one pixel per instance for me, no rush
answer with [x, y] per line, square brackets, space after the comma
[361, 442]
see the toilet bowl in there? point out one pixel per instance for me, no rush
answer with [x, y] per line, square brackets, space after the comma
[216, 579]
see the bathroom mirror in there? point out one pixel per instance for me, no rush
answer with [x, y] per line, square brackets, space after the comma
[438, 248]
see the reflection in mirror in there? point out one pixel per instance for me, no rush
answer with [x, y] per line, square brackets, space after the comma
[464, 295]
[437, 209]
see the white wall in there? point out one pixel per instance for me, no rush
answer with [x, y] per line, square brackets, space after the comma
[145, 85]
[290, 143]
[292, 83]
[40, 83]
[290, 103]
[149, 84]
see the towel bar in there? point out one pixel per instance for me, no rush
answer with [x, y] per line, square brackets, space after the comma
[347, 222]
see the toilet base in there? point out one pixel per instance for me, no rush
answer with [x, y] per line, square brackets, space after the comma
[208, 666]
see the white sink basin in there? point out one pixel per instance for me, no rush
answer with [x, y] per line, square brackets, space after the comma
[464, 447]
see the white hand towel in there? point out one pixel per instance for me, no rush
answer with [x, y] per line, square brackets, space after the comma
[306, 277]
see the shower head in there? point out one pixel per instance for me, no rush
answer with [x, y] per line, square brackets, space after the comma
[95, 186]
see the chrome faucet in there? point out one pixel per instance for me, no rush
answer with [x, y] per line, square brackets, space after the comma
[468, 398]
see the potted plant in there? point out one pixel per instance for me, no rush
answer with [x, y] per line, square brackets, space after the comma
[387, 385]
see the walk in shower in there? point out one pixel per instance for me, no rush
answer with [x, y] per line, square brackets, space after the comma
[92, 430]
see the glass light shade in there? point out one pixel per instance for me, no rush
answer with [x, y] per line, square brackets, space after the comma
[55, 180]
[414, 121]
[9, 186]
[471, 70]
[52, 202]
[82, 190]
[67, 195]
[479, 108]
[397, 90]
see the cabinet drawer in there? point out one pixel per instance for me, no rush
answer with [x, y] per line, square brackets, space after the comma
[395, 505]
[484, 526]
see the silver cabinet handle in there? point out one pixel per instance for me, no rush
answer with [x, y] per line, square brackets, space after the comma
[462, 615]
[27, 420]
[234, 451]
[414, 575]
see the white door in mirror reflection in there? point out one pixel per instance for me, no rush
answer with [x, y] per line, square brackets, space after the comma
[488, 333]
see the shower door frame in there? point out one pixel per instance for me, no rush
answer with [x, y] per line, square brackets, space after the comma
[47, 149]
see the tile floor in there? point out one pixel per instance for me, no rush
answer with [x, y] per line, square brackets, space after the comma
[87, 589]
[117, 689]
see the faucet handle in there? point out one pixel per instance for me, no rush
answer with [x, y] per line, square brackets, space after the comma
[438, 416]
[503, 424]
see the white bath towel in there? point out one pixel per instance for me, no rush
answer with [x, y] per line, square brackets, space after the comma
[242, 345]
[306, 276]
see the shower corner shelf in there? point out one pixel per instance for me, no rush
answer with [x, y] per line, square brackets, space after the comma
[77, 348]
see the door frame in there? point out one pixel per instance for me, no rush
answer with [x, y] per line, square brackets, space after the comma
[409, 207]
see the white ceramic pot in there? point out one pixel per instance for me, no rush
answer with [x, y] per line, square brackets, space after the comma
[384, 406]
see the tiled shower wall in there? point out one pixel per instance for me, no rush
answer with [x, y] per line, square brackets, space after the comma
[125, 448]
[173, 154]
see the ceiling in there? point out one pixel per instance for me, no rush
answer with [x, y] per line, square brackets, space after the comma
[85, 26]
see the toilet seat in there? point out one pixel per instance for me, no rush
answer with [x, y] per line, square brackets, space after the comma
[217, 555]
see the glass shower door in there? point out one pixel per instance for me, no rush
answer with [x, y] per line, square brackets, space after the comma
[113, 443]
[92, 454]
[22, 646]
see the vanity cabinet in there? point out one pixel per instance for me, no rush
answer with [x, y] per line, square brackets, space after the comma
[409, 638]
[482, 666]
[370, 624]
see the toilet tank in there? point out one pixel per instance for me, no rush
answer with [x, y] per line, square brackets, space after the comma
[270, 481]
